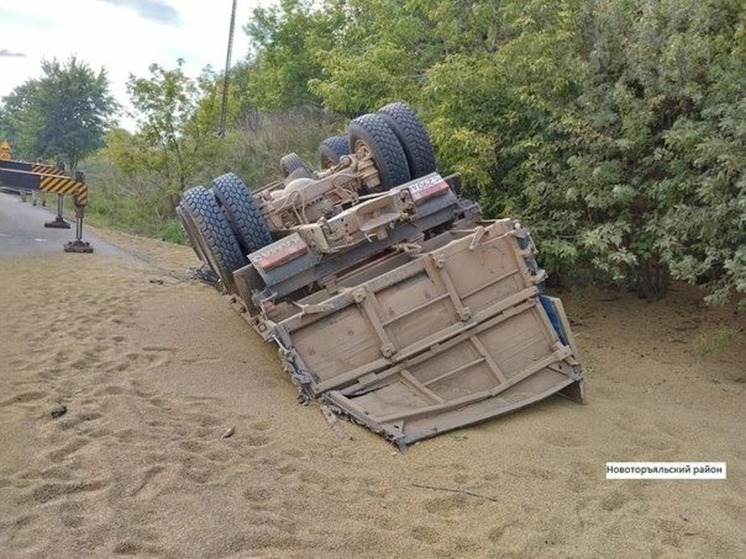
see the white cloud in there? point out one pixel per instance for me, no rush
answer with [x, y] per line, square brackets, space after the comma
[116, 36]
[157, 10]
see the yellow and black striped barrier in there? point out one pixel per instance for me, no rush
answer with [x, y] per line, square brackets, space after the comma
[44, 169]
[22, 176]
[55, 184]
[64, 185]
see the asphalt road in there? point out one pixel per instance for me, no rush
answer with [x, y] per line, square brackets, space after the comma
[22, 231]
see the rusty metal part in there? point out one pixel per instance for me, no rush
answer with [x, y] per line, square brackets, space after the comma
[368, 171]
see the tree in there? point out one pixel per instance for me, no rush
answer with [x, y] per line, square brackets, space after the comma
[286, 38]
[21, 119]
[635, 172]
[383, 50]
[62, 115]
[612, 127]
[177, 117]
[77, 108]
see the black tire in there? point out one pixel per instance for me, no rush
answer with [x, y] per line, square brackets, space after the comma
[190, 229]
[292, 162]
[413, 136]
[187, 222]
[300, 173]
[331, 149]
[204, 273]
[371, 132]
[220, 246]
[243, 214]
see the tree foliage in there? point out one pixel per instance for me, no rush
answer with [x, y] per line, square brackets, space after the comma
[613, 127]
[385, 48]
[62, 115]
[177, 118]
[21, 119]
[286, 38]
[642, 169]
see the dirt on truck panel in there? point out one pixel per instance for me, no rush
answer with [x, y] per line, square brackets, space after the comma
[392, 301]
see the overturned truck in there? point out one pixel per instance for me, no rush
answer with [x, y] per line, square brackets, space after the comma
[393, 302]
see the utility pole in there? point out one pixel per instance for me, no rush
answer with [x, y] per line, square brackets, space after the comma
[226, 79]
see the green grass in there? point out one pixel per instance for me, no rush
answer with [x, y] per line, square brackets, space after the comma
[718, 341]
[169, 231]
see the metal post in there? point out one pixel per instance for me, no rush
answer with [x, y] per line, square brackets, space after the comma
[78, 228]
[59, 221]
[226, 77]
[78, 245]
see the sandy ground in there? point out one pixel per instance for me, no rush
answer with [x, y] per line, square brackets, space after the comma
[154, 368]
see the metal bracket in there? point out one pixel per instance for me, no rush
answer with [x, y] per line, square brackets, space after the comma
[78, 246]
[464, 314]
[358, 295]
[388, 350]
[58, 223]
[479, 232]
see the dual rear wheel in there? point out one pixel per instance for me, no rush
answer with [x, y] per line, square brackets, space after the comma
[394, 136]
[224, 224]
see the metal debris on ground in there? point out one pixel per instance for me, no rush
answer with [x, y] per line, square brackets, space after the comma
[58, 411]
[228, 433]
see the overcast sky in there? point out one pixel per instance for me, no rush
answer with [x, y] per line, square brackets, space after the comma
[123, 36]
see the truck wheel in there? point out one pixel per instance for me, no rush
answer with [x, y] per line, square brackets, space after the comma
[413, 137]
[244, 216]
[331, 149]
[187, 222]
[218, 243]
[190, 229]
[205, 273]
[371, 133]
[292, 162]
